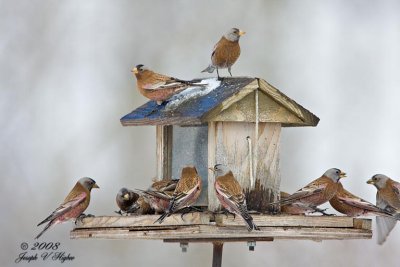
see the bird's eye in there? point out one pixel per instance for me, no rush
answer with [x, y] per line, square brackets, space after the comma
[337, 171]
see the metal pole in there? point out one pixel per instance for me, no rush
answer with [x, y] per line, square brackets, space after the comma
[217, 254]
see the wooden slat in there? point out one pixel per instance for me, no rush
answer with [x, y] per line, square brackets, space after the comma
[142, 220]
[164, 151]
[306, 116]
[207, 240]
[291, 221]
[232, 232]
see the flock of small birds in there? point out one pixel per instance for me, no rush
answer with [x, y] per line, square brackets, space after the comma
[171, 196]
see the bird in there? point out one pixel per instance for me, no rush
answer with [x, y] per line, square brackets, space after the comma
[126, 201]
[388, 199]
[143, 207]
[226, 51]
[298, 208]
[159, 87]
[159, 194]
[73, 205]
[317, 192]
[186, 192]
[354, 206]
[230, 194]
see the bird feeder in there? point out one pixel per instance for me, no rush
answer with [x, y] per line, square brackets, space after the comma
[237, 123]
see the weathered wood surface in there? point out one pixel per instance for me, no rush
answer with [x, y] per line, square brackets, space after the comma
[208, 227]
[228, 145]
[233, 100]
[217, 254]
[307, 118]
[143, 220]
[164, 151]
[189, 112]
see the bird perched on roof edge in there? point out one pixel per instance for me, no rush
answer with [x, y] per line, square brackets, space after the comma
[73, 205]
[126, 201]
[387, 198]
[317, 192]
[226, 51]
[230, 194]
[159, 87]
[186, 193]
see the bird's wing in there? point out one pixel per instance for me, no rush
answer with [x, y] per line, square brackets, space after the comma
[396, 188]
[362, 204]
[65, 207]
[309, 190]
[157, 194]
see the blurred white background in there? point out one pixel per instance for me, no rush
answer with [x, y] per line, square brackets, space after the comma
[65, 82]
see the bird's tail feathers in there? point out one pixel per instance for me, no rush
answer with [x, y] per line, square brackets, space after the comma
[162, 217]
[250, 224]
[384, 226]
[44, 230]
[209, 69]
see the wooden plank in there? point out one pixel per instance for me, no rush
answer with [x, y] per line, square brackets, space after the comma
[306, 116]
[227, 232]
[192, 218]
[362, 224]
[231, 149]
[292, 221]
[164, 151]
[207, 240]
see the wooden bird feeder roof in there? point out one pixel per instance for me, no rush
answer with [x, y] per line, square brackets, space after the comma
[232, 100]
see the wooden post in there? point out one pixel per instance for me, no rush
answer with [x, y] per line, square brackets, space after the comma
[228, 145]
[217, 254]
[164, 151]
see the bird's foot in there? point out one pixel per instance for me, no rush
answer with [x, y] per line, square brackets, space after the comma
[322, 211]
[118, 212]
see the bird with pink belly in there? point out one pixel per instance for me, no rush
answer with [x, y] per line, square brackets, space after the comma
[230, 194]
[73, 205]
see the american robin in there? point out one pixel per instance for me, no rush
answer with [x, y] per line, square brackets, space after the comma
[73, 206]
[158, 87]
[186, 193]
[225, 52]
[230, 194]
[387, 198]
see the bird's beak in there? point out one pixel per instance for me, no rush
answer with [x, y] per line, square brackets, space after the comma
[370, 181]
[135, 70]
[342, 175]
[241, 33]
[211, 169]
[126, 196]
[95, 186]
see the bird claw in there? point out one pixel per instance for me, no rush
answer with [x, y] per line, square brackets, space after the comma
[322, 211]
[118, 212]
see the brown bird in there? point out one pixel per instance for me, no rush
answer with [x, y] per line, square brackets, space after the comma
[230, 194]
[186, 193]
[388, 199]
[351, 205]
[298, 208]
[73, 206]
[126, 201]
[225, 52]
[158, 87]
[159, 194]
[317, 192]
[143, 207]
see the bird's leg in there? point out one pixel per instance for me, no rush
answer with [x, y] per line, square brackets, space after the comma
[219, 78]
[229, 70]
[322, 211]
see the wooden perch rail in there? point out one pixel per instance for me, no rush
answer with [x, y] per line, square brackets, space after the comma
[206, 227]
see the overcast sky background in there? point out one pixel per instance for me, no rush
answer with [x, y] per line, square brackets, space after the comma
[65, 82]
